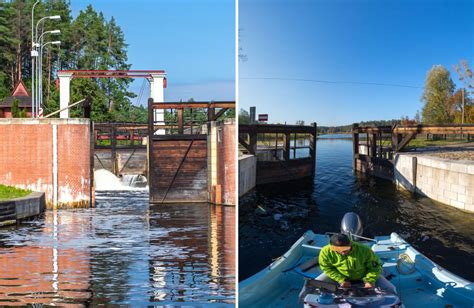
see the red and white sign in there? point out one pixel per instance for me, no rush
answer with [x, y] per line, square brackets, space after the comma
[263, 117]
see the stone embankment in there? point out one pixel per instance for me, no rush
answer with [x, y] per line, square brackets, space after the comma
[444, 175]
[15, 210]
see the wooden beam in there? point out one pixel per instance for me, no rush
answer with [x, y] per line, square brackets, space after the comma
[405, 141]
[191, 105]
[180, 121]
[244, 143]
[286, 153]
[355, 145]
[220, 113]
[436, 129]
[274, 129]
[180, 137]
[312, 149]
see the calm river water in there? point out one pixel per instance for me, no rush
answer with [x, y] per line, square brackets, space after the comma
[121, 252]
[272, 217]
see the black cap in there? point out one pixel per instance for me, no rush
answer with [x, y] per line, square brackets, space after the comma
[340, 240]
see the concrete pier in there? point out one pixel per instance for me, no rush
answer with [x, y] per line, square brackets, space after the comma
[444, 180]
[15, 210]
[247, 173]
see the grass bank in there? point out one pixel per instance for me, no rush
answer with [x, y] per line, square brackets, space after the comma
[8, 192]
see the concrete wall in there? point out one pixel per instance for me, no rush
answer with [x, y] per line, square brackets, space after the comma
[447, 181]
[48, 155]
[247, 173]
[14, 210]
[222, 162]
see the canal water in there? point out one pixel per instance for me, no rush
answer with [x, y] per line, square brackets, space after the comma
[122, 252]
[273, 217]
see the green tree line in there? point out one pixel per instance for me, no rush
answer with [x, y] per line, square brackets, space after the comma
[89, 41]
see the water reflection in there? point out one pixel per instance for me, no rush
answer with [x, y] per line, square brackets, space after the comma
[121, 252]
[272, 217]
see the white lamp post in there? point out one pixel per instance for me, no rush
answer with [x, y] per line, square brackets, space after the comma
[34, 53]
[40, 71]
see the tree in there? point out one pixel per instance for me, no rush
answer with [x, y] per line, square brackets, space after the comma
[8, 42]
[244, 116]
[299, 122]
[15, 109]
[418, 117]
[465, 75]
[439, 88]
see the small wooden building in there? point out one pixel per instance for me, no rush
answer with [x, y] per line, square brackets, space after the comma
[24, 101]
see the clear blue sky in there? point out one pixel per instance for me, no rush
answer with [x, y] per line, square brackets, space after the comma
[193, 40]
[375, 41]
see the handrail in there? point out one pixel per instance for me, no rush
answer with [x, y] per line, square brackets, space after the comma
[67, 107]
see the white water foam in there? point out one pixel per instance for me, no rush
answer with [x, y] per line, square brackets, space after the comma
[105, 180]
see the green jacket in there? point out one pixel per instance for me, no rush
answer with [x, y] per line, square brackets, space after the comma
[360, 263]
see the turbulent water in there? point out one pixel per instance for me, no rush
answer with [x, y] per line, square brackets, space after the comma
[121, 252]
[272, 217]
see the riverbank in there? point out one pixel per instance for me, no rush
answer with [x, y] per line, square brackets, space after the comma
[10, 192]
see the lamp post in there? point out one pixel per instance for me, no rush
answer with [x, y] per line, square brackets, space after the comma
[40, 100]
[39, 69]
[34, 53]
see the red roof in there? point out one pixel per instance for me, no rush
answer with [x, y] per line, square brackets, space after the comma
[20, 89]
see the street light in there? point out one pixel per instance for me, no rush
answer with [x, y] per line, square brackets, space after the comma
[40, 70]
[40, 79]
[34, 53]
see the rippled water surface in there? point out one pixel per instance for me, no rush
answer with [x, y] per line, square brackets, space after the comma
[272, 217]
[121, 252]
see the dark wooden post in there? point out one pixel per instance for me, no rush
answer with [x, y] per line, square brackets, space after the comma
[113, 143]
[380, 144]
[253, 143]
[180, 121]
[211, 114]
[372, 144]
[396, 139]
[87, 108]
[355, 145]
[286, 153]
[294, 146]
[131, 133]
[312, 148]
[191, 121]
[151, 132]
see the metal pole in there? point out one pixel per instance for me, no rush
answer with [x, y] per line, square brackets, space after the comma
[33, 50]
[463, 106]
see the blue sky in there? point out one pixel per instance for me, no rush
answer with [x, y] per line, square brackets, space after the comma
[375, 41]
[193, 40]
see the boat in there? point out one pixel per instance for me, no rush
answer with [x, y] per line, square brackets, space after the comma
[417, 281]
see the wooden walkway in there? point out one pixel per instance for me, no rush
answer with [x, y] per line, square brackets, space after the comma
[383, 142]
[281, 165]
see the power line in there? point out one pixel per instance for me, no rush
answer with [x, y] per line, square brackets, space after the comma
[334, 82]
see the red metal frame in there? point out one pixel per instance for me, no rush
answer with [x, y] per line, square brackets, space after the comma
[112, 73]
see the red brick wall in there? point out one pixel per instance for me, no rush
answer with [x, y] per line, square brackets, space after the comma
[226, 161]
[74, 164]
[26, 158]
